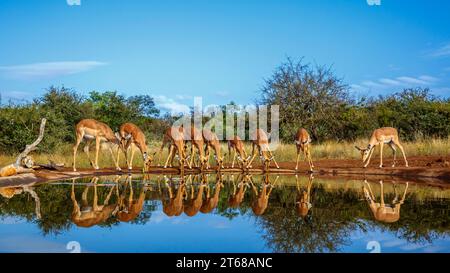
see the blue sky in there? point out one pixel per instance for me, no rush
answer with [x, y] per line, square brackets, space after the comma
[220, 50]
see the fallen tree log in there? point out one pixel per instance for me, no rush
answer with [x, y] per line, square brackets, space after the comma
[24, 163]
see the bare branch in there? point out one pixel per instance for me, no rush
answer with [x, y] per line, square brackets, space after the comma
[32, 147]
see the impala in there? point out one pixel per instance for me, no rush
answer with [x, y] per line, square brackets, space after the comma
[174, 206]
[237, 145]
[212, 141]
[211, 202]
[174, 137]
[259, 205]
[195, 136]
[131, 137]
[302, 142]
[193, 204]
[130, 208]
[303, 203]
[381, 211]
[381, 136]
[261, 142]
[89, 130]
[236, 198]
[88, 216]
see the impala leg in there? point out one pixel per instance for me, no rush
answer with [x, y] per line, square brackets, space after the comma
[307, 157]
[382, 194]
[133, 150]
[395, 194]
[108, 196]
[381, 154]
[404, 193]
[297, 183]
[97, 150]
[370, 190]
[86, 150]
[274, 161]
[125, 152]
[172, 156]
[116, 163]
[311, 164]
[95, 203]
[208, 192]
[394, 152]
[298, 157]
[192, 156]
[76, 207]
[255, 190]
[120, 148]
[370, 156]
[171, 150]
[403, 152]
[249, 165]
[170, 191]
[75, 149]
[130, 197]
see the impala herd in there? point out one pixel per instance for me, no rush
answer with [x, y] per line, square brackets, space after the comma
[205, 143]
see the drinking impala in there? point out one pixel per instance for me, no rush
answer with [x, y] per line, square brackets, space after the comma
[302, 142]
[131, 137]
[261, 142]
[381, 136]
[212, 141]
[237, 145]
[174, 138]
[195, 136]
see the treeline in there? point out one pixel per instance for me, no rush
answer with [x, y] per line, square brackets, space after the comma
[312, 97]
[64, 108]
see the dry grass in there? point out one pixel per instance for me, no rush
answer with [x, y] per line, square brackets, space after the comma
[284, 152]
[346, 150]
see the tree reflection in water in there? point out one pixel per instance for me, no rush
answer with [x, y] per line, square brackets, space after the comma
[292, 214]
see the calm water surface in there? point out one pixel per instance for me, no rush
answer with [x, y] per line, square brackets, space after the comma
[224, 214]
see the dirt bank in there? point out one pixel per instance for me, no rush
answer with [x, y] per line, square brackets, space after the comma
[429, 170]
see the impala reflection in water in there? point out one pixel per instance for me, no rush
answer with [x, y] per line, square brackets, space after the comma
[224, 213]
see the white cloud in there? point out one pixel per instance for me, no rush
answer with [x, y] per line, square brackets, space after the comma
[391, 84]
[170, 105]
[47, 70]
[428, 78]
[443, 51]
[410, 80]
[372, 84]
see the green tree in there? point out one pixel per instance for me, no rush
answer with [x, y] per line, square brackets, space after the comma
[308, 96]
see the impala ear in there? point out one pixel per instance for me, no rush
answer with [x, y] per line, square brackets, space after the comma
[359, 149]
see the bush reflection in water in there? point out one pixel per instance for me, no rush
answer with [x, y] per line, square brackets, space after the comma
[293, 214]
